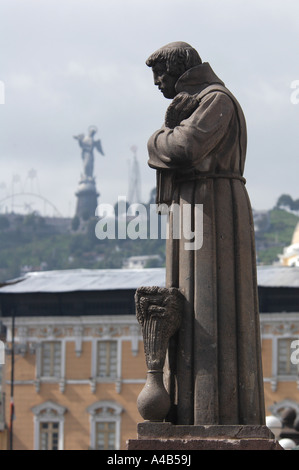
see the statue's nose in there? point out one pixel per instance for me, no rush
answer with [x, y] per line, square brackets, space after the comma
[157, 80]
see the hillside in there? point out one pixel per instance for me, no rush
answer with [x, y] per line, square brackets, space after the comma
[31, 242]
[275, 235]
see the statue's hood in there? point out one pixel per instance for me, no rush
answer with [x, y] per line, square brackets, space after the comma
[197, 78]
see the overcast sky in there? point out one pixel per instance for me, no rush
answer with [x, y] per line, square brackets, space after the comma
[69, 64]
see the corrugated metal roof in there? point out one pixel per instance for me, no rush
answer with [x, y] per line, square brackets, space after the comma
[278, 276]
[85, 280]
[117, 279]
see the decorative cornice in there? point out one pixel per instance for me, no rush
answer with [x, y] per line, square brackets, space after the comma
[277, 407]
[49, 409]
[32, 329]
[105, 409]
[284, 324]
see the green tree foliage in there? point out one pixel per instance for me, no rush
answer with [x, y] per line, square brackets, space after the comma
[285, 200]
[28, 242]
[271, 242]
[32, 242]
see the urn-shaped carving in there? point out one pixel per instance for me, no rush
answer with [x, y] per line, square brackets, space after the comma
[159, 312]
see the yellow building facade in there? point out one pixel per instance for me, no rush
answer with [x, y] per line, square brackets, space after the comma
[75, 384]
[290, 255]
[76, 378]
[280, 354]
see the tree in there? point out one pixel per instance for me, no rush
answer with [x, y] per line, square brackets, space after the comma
[295, 206]
[285, 200]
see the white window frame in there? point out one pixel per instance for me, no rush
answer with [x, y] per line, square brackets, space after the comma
[48, 412]
[94, 365]
[51, 376]
[107, 376]
[290, 339]
[39, 359]
[275, 355]
[104, 416]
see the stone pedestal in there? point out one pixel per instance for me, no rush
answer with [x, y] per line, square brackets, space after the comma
[87, 198]
[168, 437]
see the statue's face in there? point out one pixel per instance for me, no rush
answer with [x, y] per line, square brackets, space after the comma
[164, 81]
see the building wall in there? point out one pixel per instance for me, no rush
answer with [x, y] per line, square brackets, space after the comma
[280, 368]
[76, 399]
[78, 388]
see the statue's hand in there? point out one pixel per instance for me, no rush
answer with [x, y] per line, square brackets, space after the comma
[182, 106]
[78, 137]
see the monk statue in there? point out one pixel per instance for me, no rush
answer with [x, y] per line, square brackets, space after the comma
[214, 372]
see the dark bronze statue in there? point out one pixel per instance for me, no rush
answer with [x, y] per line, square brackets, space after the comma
[214, 363]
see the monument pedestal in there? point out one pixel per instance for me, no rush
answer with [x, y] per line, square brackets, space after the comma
[87, 198]
[167, 437]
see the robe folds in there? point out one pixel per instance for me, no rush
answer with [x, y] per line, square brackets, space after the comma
[214, 363]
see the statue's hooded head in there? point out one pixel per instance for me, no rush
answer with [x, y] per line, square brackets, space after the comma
[170, 62]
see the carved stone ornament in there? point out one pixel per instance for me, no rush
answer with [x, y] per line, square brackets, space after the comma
[158, 311]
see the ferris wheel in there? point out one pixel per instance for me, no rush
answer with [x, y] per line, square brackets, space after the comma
[25, 198]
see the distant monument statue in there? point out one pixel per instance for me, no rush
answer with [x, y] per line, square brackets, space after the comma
[87, 144]
[213, 371]
[87, 194]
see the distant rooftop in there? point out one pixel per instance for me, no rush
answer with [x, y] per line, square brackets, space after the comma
[117, 279]
[278, 276]
[84, 280]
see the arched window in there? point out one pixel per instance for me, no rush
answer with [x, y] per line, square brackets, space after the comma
[105, 421]
[278, 407]
[48, 426]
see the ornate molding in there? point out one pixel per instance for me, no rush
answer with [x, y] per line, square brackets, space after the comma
[51, 331]
[105, 409]
[135, 334]
[118, 385]
[48, 410]
[93, 385]
[37, 385]
[78, 331]
[284, 324]
[276, 408]
[273, 382]
[62, 383]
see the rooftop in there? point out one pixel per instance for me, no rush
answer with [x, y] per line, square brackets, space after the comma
[118, 279]
[278, 276]
[84, 280]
